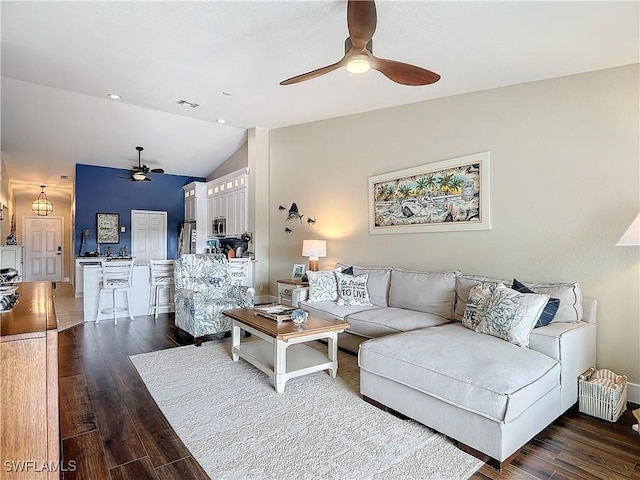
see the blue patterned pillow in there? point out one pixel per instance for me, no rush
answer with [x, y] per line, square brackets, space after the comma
[550, 309]
[511, 315]
[322, 286]
[477, 303]
[348, 271]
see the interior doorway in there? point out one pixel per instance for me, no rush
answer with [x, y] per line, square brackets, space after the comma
[43, 253]
[149, 235]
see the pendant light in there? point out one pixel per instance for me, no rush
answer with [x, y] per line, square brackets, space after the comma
[41, 206]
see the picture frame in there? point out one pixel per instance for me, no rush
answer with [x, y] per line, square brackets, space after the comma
[448, 195]
[108, 227]
[298, 270]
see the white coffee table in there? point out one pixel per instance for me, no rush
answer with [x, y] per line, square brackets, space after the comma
[278, 348]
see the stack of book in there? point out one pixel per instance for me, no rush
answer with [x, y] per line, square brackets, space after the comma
[277, 312]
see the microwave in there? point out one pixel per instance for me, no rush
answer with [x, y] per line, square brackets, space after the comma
[219, 227]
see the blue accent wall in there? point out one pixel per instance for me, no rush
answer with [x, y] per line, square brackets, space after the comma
[103, 190]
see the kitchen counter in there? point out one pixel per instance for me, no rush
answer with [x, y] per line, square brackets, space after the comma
[33, 314]
[82, 262]
[140, 293]
[29, 379]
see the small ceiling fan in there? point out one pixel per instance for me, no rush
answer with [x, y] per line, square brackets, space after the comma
[358, 58]
[139, 172]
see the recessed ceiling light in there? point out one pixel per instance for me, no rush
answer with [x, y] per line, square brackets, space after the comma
[114, 96]
[221, 120]
[228, 94]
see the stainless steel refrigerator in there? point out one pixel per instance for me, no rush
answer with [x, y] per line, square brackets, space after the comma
[187, 242]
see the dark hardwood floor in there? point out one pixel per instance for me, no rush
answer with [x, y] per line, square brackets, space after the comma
[112, 428]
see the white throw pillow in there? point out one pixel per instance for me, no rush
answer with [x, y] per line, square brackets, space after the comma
[352, 289]
[570, 296]
[477, 303]
[511, 315]
[322, 286]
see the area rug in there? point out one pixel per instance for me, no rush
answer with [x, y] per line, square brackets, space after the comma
[237, 427]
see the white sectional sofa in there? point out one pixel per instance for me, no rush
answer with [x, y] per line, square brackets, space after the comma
[416, 358]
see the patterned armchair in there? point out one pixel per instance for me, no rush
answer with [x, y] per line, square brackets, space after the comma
[203, 291]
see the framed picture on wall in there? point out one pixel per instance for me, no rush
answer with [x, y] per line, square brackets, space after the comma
[449, 195]
[108, 227]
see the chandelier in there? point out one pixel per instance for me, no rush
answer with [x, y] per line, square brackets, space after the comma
[41, 206]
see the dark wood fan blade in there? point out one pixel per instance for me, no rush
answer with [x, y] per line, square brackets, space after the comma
[157, 170]
[313, 73]
[404, 73]
[361, 21]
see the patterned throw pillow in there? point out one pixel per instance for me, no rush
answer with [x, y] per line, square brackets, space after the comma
[511, 315]
[550, 309]
[352, 289]
[477, 302]
[322, 286]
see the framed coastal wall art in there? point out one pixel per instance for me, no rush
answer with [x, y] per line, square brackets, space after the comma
[108, 227]
[448, 195]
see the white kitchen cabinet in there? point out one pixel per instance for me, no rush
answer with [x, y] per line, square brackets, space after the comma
[11, 256]
[228, 199]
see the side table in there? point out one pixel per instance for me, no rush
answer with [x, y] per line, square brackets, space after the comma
[286, 287]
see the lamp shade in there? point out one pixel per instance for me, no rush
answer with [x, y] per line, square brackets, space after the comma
[314, 248]
[632, 236]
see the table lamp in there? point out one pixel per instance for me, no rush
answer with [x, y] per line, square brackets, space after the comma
[314, 249]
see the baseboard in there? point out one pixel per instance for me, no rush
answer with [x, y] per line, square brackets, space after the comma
[633, 393]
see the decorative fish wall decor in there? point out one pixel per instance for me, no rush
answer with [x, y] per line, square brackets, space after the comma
[287, 230]
[311, 221]
[294, 214]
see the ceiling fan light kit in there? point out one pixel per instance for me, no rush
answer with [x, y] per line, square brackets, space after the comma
[139, 172]
[358, 64]
[358, 58]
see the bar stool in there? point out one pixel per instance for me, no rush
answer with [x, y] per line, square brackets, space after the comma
[239, 269]
[161, 277]
[117, 276]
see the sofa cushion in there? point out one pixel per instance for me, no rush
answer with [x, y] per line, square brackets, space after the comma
[429, 292]
[377, 283]
[511, 315]
[482, 374]
[550, 309]
[386, 321]
[330, 310]
[352, 289]
[464, 284]
[322, 286]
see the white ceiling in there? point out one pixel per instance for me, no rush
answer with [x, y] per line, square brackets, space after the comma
[61, 59]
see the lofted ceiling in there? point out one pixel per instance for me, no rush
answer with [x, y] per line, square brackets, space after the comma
[61, 59]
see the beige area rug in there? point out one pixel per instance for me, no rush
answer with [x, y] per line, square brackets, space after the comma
[237, 427]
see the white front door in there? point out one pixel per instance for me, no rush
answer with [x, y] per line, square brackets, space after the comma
[43, 249]
[149, 235]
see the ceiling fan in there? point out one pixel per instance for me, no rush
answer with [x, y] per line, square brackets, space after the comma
[359, 58]
[139, 172]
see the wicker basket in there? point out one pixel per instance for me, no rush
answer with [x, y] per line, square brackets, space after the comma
[602, 394]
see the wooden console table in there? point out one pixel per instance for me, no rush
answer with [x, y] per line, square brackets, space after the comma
[29, 417]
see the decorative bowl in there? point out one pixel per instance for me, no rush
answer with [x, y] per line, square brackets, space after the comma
[299, 316]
